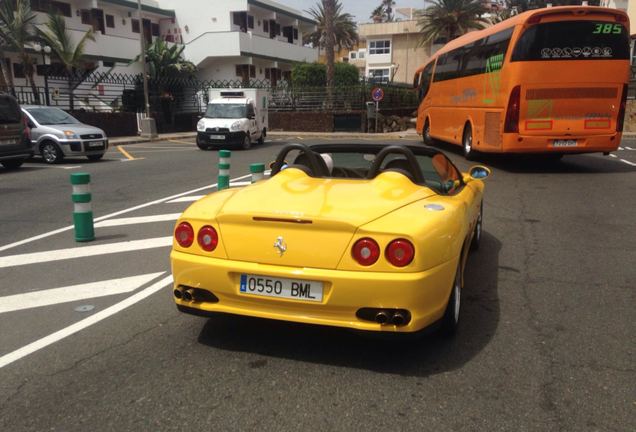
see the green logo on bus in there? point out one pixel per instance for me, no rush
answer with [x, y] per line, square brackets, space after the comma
[492, 81]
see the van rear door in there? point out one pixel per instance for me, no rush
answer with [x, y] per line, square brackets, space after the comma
[11, 125]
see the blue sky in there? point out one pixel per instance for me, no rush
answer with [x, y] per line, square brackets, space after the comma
[361, 9]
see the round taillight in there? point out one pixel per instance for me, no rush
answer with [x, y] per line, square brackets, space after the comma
[366, 251]
[208, 238]
[400, 252]
[184, 234]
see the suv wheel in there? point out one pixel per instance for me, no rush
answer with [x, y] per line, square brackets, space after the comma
[51, 153]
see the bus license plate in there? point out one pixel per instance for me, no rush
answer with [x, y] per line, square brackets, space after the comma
[295, 289]
[217, 137]
[564, 143]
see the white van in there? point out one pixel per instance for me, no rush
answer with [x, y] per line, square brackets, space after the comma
[234, 117]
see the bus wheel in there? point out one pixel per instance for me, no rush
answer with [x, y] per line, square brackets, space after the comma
[467, 142]
[426, 133]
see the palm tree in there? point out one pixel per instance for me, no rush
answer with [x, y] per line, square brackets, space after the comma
[344, 28]
[384, 12]
[71, 56]
[17, 31]
[450, 19]
[164, 60]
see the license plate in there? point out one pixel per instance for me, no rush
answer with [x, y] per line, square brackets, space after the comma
[217, 137]
[95, 144]
[564, 143]
[295, 289]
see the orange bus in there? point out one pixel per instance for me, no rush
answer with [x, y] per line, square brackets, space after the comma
[550, 80]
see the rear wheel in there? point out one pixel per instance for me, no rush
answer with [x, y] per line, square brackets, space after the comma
[467, 142]
[95, 157]
[450, 320]
[51, 153]
[12, 164]
[426, 133]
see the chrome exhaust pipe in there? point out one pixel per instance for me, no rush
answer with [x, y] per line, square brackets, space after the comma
[178, 293]
[398, 319]
[381, 317]
[188, 295]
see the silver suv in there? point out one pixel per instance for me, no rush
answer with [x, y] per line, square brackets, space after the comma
[56, 134]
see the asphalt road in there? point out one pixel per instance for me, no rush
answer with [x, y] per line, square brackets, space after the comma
[546, 340]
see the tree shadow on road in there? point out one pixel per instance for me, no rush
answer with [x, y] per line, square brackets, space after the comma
[427, 354]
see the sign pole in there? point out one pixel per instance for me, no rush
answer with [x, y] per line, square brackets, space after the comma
[376, 116]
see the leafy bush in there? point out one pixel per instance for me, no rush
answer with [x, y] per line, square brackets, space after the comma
[315, 74]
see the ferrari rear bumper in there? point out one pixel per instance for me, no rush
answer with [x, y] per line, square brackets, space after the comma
[424, 294]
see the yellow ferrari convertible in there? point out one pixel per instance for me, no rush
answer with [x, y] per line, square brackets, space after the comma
[368, 237]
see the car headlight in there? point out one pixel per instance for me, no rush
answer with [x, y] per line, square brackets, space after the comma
[235, 126]
[201, 126]
[70, 134]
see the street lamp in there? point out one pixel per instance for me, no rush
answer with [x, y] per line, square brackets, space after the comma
[46, 51]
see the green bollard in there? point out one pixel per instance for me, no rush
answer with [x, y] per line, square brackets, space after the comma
[258, 171]
[82, 210]
[223, 181]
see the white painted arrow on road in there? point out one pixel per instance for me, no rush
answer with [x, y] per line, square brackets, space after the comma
[72, 293]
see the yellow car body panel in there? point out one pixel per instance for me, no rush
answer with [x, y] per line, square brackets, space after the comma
[320, 219]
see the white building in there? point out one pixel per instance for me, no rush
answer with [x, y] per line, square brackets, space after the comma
[241, 39]
[116, 28]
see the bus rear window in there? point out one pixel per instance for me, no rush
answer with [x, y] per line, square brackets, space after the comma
[573, 40]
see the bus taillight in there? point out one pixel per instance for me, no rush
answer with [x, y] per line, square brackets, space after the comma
[512, 113]
[621, 111]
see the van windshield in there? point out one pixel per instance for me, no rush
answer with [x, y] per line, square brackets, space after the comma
[52, 116]
[227, 111]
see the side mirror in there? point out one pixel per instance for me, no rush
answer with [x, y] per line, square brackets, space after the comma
[478, 172]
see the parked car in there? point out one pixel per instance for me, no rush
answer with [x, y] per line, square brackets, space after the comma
[364, 236]
[15, 143]
[56, 134]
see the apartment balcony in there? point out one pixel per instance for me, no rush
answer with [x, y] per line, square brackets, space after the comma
[237, 44]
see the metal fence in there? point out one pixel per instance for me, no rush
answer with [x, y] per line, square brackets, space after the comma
[110, 92]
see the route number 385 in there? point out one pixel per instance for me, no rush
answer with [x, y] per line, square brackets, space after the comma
[607, 28]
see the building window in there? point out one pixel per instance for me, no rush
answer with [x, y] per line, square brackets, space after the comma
[295, 34]
[250, 21]
[353, 55]
[379, 75]
[240, 19]
[361, 54]
[265, 26]
[18, 70]
[51, 6]
[110, 21]
[154, 29]
[108, 64]
[86, 17]
[135, 25]
[380, 47]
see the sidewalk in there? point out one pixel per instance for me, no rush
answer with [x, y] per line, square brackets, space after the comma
[410, 133]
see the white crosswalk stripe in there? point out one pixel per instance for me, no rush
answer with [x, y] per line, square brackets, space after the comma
[72, 293]
[137, 220]
[84, 251]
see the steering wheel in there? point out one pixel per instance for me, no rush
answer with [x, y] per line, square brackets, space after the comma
[414, 168]
[317, 165]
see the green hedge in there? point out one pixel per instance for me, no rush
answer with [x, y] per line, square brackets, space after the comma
[315, 74]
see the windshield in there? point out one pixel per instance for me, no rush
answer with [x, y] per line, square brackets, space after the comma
[52, 116]
[573, 40]
[227, 111]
